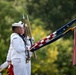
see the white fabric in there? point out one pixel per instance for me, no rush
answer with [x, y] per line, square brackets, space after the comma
[28, 45]
[19, 24]
[28, 68]
[9, 54]
[16, 53]
[3, 66]
[20, 66]
[17, 47]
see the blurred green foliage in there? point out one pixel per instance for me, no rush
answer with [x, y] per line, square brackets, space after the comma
[46, 16]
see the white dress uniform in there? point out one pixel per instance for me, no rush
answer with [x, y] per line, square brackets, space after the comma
[28, 45]
[18, 56]
[9, 54]
[17, 53]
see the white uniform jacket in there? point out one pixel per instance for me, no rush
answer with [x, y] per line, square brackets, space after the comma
[17, 47]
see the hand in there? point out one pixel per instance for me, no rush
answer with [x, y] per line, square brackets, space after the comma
[9, 63]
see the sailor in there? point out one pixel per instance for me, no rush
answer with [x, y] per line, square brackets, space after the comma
[28, 45]
[17, 49]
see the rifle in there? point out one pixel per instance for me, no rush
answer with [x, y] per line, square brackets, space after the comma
[30, 35]
[25, 26]
[28, 29]
[25, 35]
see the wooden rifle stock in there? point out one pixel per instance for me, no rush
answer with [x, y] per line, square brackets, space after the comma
[30, 35]
[25, 35]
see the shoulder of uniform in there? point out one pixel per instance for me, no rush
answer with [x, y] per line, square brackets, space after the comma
[14, 36]
[28, 37]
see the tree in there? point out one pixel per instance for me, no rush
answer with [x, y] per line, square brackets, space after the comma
[46, 16]
[9, 14]
[53, 13]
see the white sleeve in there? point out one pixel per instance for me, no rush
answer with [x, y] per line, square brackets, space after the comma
[28, 45]
[32, 38]
[29, 40]
[9, 55]
[17, 45]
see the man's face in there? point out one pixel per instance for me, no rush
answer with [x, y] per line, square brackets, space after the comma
[20, 30]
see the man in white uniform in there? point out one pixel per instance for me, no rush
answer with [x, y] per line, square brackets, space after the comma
[27, 45]
[17, 49]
